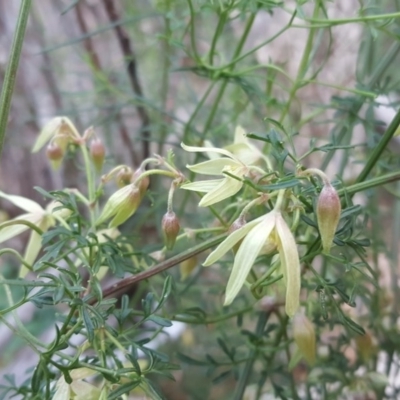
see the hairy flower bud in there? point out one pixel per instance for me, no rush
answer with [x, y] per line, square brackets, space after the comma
[328, 215]
[170, 226]
[55, 155]
[304, 336]
[97, 151]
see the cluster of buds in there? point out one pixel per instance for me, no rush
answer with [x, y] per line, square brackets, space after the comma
[59, 133]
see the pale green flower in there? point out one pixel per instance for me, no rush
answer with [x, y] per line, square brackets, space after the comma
[216, 189]
[256, 234]
[61, 130]
[121, 205]
[36, 215]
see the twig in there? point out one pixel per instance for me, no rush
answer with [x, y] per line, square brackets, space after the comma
[11, 71]
[96, 65]
[129, 55]
[127, 283]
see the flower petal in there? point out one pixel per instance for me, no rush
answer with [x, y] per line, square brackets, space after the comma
[214, 167]
[31, 252]
[202, 186]
[247, 254]
[230, 241]
[290, 265]
[27, 205]
[227, 188]
[194, 149]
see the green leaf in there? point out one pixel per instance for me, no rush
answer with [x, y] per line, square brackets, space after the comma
[123, 389]
[159, 320]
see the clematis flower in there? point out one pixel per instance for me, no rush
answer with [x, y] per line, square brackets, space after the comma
[266, 231]
[36, 215]
[59, 130]
[237, 159]
[216, 189]
[243, 149]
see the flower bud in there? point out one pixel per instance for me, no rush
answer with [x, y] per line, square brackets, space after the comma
[328, 215]
[55, 155]
[304, 336]
[187, 266]
[123, 177]
[170, 226]
[122, 204]
[365, 346]
[97, 151]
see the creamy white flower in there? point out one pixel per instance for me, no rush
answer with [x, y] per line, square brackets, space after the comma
[255, 234]
[216, 189]
[36, 215]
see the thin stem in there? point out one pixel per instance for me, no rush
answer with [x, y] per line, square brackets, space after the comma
[248, 368]
[217, 33]
[303, 66]
[126, 283]
[373, 182]
[346, 126]
[11, 71]
[376, 153]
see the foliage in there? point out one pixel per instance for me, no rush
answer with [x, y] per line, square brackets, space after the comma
[292, 303]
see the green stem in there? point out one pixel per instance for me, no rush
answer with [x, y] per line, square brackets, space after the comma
[90, 184]
[346, 126]
[217, 33]
[248, 368]
[376, 153]
[373, 182]
[303, 66]
[11, 71]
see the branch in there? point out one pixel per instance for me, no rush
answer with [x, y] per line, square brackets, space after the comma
[127, 283]
[129, 55]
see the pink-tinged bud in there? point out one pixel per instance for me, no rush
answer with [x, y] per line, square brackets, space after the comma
[98, 152]
[123, 177]
[55, 155]
[170, 226]
[143, 183]
[237, 224]
[328, 215]
[304, 336]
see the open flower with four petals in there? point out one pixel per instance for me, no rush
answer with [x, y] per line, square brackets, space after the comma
[256, 235]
